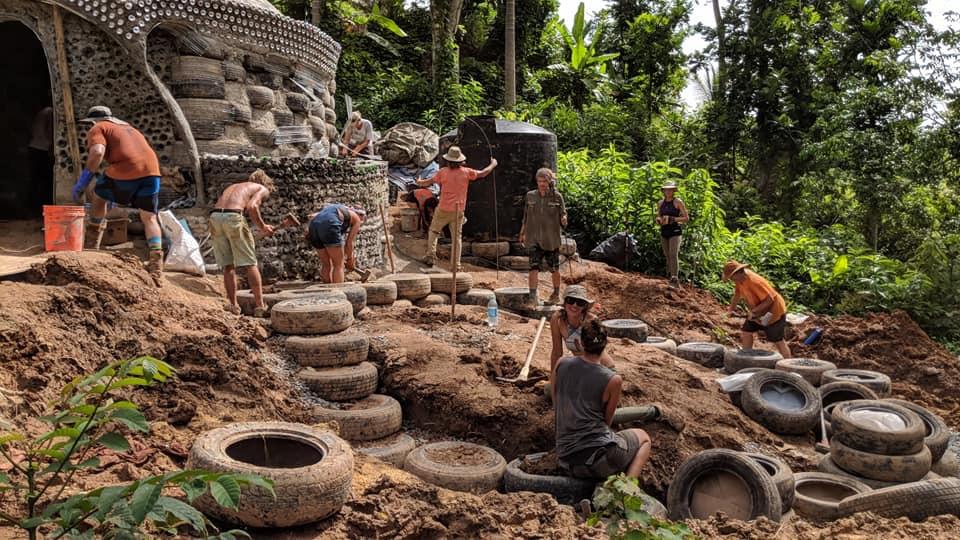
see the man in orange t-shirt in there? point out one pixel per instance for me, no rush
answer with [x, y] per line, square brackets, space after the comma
[454, 181]
[767, 309]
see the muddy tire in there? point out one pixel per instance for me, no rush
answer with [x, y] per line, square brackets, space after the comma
[356, 295]
[311, 481]
[519, 263]
[234, 72]
[478, 478]
[876, 381]
[292, 285]
[666, 345]
[917, 501]
[311, 315]
[206, 116]
[342, 383]
[542, 310]
[818, 494]
[936, 432]
[948, 465]
[293, 294]
[761, 491]
[735, 396]
[475, 297]
[333, 350]
[565, 489]
[298, 103]
[827, 465]
[908, 468]
[632, 329]
[380, 293]
[854, 428]
[410, 286]
[373, 417]
[433, 300]
[247, 304]
[512, 298]
[282, 117]
[392, 449]
[706, 354]
[800, 417]
[837, 392]
[782, 476]
[197, 77]
[265, 137]
[736, 360]
[490, 250]
[811, 369]
[443, 283]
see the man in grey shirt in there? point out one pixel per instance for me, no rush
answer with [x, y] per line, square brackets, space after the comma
[544, 217]
[357, 137]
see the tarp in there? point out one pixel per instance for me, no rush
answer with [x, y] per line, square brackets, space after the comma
[405, 178]
[616, 250]
[408, 143]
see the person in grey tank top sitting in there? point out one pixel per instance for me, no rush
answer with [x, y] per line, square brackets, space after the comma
[585, 396]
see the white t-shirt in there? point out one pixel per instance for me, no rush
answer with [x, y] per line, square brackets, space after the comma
[354, 136]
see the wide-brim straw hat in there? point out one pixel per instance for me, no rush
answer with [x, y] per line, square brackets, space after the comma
[579, 292]
[455, 155]
[669, 185]
[731, 268]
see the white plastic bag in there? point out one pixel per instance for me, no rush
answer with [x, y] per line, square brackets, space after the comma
[184, 255]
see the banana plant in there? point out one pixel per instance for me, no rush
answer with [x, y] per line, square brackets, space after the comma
[583, 54]
[358, 20]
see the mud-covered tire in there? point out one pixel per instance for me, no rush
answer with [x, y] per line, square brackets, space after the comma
[311, 315]
[632, 329]
[304, 494]
[356, 295]
[512, 298]
[840, 391]
[917, 500]
[433, 300]
[261, 97]
[565, 489]
[234, 72]
[666, 345]
[706, 354]
[764, 497]
[197, 77]
[248, 305]
[867, 436]
[333, 350]
[443, 283]
[735, 395]
[475, 297]
[298, 103]
[206, 117]
[948, 465]
[392, 449]
[490, 250]
[827, 465]
[810, 502]
[410, 286]
[811, 369]
[776, 419]
[265, 137]
[380, 293]
[479, 478]
[292, 294]
[374, 417]
[736, 360]
[936, 432]
[520, 263]
[874, 380]
[782, 476]
[908, 468]
[342, 383]
[292, 285]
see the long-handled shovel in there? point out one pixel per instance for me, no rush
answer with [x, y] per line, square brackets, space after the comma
[524, 377]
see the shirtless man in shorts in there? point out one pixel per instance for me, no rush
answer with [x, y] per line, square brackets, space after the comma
[233, 244]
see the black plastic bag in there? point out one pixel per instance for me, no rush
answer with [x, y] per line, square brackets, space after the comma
[617, 251]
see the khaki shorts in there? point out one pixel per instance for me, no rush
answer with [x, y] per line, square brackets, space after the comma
[233, 243]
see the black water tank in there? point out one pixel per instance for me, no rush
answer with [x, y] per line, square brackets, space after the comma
[521, 149]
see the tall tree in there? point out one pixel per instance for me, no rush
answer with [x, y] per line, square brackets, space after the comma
[445, 65]
[510, 58]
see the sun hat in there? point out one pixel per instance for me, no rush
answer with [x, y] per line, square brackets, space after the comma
[731, 268]
[669, 185]
[101, 112]
[454, 154]
[579, 292]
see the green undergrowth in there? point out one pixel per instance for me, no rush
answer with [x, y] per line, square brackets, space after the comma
[619, 505]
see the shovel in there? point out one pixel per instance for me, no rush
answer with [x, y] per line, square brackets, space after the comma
[524, 376]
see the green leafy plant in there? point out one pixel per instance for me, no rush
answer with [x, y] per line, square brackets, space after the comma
[87, 418]
[619, 504]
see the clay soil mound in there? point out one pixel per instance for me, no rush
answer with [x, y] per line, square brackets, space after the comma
[859, 526]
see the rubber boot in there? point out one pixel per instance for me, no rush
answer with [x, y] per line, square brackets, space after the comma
[155, 265]
[94, 235]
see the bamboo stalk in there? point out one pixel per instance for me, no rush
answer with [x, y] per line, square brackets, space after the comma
[386, 237]
[453, 264]
[73, 141]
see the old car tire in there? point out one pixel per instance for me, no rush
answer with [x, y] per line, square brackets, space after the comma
[936, 432]
[783, 420]
[666, 345]
[948, 464]
[490, 250]
[410, 286]
[392, 449]
[909, 468]
[917, 500]
[811, 369]
[706, 354]
[333, 350]
[342, 383]
[828, 466]
[853, 428]
[311, 470]
[443, 283]
[876, 381]
[356, 295]
[736, 360]
[818, 494]
[512, 298]
[311, 315]
[433, 300]
[248, 306]
[197, 77]
[520, 263]
[477, 478]
[837, 392]
[782, 476]
[373, 417]
[761, 490]
[261, 97]
[735, 395]
[565, 489]
[475, 297]
[380, 293]
[632, 329]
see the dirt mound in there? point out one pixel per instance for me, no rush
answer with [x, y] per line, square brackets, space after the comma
[857, 526]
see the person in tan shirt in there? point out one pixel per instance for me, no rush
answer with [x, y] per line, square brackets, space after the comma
[233, 243]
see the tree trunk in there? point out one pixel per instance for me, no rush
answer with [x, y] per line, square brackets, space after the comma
[315, 7]
[873, 226]
[510, 58]
[444, 18]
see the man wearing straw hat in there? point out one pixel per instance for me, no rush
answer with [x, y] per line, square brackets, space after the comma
[767, 309]
[454, 181]
[132, 179]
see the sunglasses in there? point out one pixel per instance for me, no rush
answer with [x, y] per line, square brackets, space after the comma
[575, 301]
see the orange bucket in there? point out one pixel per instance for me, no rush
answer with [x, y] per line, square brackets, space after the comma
[63, 228]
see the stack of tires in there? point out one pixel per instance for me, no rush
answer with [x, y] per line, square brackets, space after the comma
[442, 285]
[410, 287]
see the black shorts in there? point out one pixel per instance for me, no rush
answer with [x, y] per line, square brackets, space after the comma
[142, 193]
[544, 261]
[775, 331]
[606, 461]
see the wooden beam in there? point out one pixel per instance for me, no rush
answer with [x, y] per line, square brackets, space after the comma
[73, 142]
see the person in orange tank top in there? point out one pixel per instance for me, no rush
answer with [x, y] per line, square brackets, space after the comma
[767, 308]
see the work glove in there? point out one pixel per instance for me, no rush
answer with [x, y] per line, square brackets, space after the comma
[85, 178]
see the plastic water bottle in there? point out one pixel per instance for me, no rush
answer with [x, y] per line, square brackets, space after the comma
[493, 315]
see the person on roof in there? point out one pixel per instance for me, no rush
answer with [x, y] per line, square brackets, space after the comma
[544, 217]
[767, 310]
[326, 234]
[585, 396]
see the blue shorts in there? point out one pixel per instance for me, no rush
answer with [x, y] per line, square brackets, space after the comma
[142, 193]
[326, 229]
